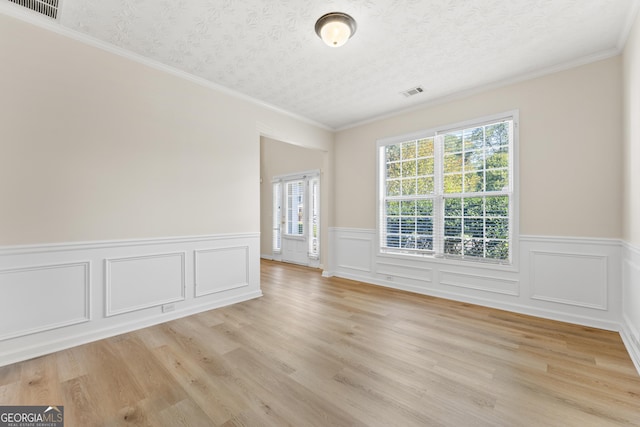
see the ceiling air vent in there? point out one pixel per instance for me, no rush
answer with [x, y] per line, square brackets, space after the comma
[413, 91]
[45, 7]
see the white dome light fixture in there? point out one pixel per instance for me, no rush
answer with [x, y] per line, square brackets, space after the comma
[335, 28]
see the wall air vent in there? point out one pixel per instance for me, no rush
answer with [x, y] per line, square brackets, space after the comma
[45, 7]
[413, 91]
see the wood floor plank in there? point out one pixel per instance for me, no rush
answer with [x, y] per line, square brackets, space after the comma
[317, 351]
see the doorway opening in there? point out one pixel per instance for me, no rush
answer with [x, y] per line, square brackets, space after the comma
[296, 218]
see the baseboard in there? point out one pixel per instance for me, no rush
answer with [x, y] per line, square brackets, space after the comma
[631, 342]
[568, 278]
[593, 322]
[69, 294]
[44, 348]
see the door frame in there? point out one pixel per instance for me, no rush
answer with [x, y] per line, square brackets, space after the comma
[312, 259]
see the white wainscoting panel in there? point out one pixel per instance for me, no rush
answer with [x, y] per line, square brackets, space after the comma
[58, 296]
[354, 251]
[139, 282]
[44, 297]
[575, 280]
[631, 302]
[391, 270]
[570, 278]
[221, 269]
[481, 282]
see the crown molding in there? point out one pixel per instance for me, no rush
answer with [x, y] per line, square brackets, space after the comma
[490, 86]
[628, 25]
[25, 15]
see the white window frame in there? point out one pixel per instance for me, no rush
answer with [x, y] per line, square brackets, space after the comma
[513, 191]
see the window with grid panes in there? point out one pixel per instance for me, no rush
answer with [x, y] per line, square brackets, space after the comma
[449, 193]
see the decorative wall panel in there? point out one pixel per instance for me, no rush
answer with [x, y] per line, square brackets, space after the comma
[44, 297]
[569, 278]
[221, 269]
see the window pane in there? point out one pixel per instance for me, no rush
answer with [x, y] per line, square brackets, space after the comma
[425, 166]
[498, 159]
[392, 153]
[497, 206]
[393, 241]
[393, 208]
[473, 247]
[407, 225]
[408, 241]
[424, 207]
[453, 163]
[393, 225]
[452, 227]
[474, 227]
[424, 226]
[408, 208]
[497, 134]
[453, 183]
[393, 170]
[393, 188]
[452, 207]
[425, 186]
[453, 246]
[497, 180]
[425, 147]
[409, 168]
[473, 182]
[473, 206]
[424, 243]
[498, 249]
[473, 160]
[409, 187]
[409, 150]
[295, 208]
[453, 142]
[474, 139]
[497, 228]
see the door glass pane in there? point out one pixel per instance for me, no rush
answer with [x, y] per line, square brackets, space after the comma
[295, 208]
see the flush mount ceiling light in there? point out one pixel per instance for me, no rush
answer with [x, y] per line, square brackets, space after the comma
[335, 28]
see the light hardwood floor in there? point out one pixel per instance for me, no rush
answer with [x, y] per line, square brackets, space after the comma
[333, 352]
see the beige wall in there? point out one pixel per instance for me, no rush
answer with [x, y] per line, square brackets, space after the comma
[632, 136]
[98, 147]
[570, 151]
[280, 158]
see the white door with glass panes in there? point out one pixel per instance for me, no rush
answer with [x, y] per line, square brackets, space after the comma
[296, 218]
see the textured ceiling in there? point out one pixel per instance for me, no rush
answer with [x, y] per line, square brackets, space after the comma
[268, 49]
